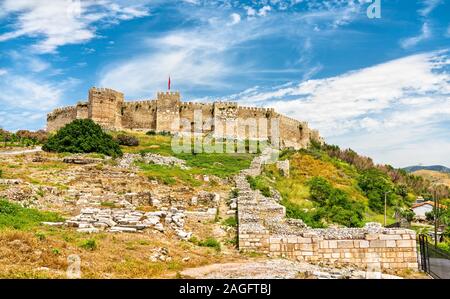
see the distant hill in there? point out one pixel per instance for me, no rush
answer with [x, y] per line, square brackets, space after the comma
[434, 176]
[438, 168]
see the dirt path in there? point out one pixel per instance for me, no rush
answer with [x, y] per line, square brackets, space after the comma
[278, 269]
[21, 152]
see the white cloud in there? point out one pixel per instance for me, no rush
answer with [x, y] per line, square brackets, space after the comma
[19, 92]
[26, 99]
[429, 6]
[195, 58]
[3, 72]
[388, 111]
[264, 10]
[413, 41]
[61, 22]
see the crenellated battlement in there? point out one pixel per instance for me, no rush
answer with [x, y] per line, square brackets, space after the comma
[62, 110]
[140, 102]
[108, 108]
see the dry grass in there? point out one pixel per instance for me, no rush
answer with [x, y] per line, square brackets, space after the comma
[43, 254]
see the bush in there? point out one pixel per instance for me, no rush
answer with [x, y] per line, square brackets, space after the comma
[320, 189]
[335, 204]
[82, 136]
[1, 173]
[151, 133]
[375, 184]
[127, 140]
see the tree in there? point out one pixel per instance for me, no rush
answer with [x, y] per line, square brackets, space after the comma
[82, 136]
[320, 189]
[375, 185]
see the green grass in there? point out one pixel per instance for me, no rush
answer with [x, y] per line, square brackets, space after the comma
[259, 183]
[209, 242]
[15, 216]
[230, 221]
[108, 204]
[168, 175]
[89, 244]
[222, 165]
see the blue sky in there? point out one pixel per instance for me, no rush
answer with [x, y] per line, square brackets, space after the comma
[380, 86]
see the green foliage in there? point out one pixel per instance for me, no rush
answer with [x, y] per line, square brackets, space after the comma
[108, 204]
[127, 140]
[15, 216]
[320, 189]
[1, 173]
[82, 136]
[209, 242]
[230, 221]
[334, 204]
[258, 183]
[375, 185]
[311, 218]
[89, 244]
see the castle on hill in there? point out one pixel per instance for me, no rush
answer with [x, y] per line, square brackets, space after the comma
[167, 113]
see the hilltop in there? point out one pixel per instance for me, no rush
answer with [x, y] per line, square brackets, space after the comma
[437, 168]
[434, 176]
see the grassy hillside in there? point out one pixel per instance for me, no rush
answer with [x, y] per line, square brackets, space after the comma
[434, 176]
[222, 165]
[325, 191]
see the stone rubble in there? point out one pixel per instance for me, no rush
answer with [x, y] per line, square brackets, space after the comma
[160, 254]
[278, 269]
[93, 220]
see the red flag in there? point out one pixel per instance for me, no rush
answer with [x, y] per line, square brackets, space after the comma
[169, 82]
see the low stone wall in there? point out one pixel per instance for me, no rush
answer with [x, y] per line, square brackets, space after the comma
[264, 228]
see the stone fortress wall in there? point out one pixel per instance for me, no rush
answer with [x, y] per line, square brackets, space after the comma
[108, 108]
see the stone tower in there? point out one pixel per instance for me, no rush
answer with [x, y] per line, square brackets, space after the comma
[105, 107]
[168, 112]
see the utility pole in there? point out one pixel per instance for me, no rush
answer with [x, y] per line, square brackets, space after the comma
[385, 205]
[436, 213]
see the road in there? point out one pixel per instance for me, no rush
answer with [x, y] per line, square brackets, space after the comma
[21, 152]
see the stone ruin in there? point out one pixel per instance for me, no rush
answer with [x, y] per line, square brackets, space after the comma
[264, 228]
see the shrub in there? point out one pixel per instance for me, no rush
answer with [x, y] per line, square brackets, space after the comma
[151, 133]
[1, 173]
[89, 244]
[82, 136]
[127, 140]
[320, 189]
[375, 184]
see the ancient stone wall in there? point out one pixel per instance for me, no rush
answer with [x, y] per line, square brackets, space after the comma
[225, 119]
[82, 110]
[264, 228]
[167, 113]
[205, 111]
[139, 115]
[105, 107]
[60, 117]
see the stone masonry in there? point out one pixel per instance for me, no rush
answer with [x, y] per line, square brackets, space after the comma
[167, 113]
[263, 228]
